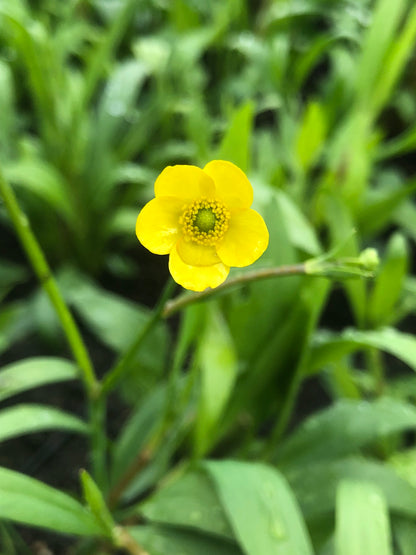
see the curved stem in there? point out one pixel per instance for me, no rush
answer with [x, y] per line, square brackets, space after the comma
[116, 373]
[41, 268]
[182, 301]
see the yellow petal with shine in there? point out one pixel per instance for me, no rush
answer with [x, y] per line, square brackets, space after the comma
[231, 184]
[157, 225]
[197, 255]
[196, 278]
[185, 182]
[245, 240]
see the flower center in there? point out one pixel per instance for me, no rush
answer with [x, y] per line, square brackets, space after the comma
[205, 221]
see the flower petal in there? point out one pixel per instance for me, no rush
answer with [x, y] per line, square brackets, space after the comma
[231, 184]
[157, 225]
[196, 278]
[185, 182]
[197, 255]
[245, 240]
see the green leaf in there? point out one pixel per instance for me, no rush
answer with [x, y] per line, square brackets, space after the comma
[28, 501]
[218, 363]
[404, 535]
[16, 321]
[34, 372]
[341, 226]
[28, 419]
[118, 99]
[316, 488]
[362, 521]
[95, 500]
[43, 180]
[235, 145]
[389, 281]
[115, 320]
[399, 52]
[10, 275]
[328, 347]
[261, 508]
[344, 428]
[311, 135]
[138, 429]
[158, 540]
[380, 36]
[301, 232]
[189, 502]
[404, 462]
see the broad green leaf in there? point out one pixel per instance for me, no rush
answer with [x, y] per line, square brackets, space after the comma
[399, 52]
[343, 429]
[159, 540]
[28, 419]
[218, 365]
[235, 145]
[137, 431]
[315, 488]
[301, 232]
[405, 217]
[328, 347]
[16, 321]
[260, 507]
[311, 135]
[115, 320]
[379, 37]
[10, 275]
[28, 501]
[34, 372]
[43, 180]
[389, 281]
[384, 203]
[362, 520]
[189, 502]
[404, 462]
[404, 531]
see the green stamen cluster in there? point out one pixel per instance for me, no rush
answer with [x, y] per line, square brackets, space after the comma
[205, 221]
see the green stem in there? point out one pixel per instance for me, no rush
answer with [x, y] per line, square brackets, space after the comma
[43, 272]
[184, 300]
[117, 372]
[97, 416]
[375, 367]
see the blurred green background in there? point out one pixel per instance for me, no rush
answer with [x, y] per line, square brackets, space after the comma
[315, 100]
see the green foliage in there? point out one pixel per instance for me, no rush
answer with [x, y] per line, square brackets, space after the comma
[201, 432]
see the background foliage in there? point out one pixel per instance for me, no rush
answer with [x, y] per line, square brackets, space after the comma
[277, 417]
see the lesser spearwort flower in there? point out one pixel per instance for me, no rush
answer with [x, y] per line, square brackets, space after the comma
[203, 220]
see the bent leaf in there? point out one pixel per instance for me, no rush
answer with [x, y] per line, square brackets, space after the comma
[28, 419]
[28, 501]
[34, 372]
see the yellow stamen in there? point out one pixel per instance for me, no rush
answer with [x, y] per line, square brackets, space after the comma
[205, 221]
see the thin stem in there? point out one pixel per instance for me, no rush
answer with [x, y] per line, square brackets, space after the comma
[97, 417]
[41, 268]
[116, 373]
[124, 540]
[182, 301]
[139, 463]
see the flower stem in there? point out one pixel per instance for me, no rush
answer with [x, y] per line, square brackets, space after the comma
[41, 268]
[182, 301]
[116, 373]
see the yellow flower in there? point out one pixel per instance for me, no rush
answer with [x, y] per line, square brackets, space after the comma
[203, 220]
